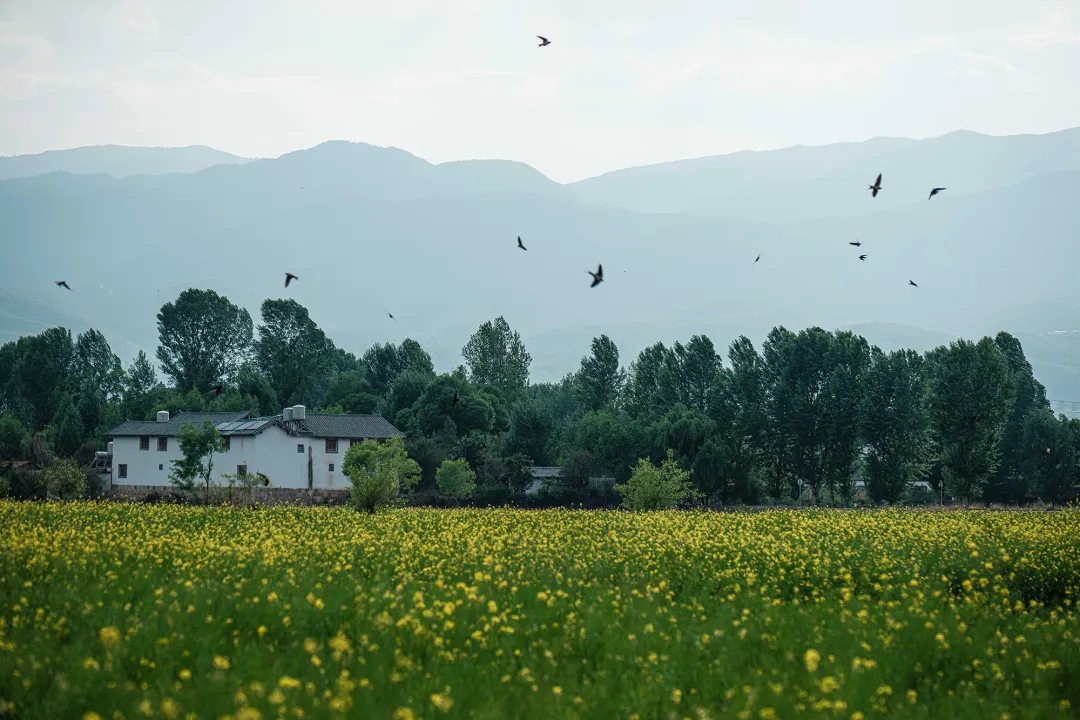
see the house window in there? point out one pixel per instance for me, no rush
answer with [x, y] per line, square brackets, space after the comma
[144, 442]
[226, 443]
[160, 466]
[299, 447]
[121, 471]
[331, 467]
[162, 444]
[331, 445]
[241, 469]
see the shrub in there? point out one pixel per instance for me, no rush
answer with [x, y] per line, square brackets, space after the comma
[65, 479]
[656, 488]
[456, 479]
[379, 472]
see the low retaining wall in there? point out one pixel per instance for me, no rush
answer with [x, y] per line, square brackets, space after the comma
[264, 496]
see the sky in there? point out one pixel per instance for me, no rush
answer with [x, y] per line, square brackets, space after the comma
[624, 82]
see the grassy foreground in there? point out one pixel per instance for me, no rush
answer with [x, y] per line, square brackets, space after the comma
[134, 611]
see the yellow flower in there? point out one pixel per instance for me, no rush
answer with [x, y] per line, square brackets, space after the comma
[310, 646]
[91, 664]
[288, 682]
[404, 713]
[812, 658]
[248, 713]
[91, 715]
[912, 696]
[676, 695]
[828, 684]
[557, 691]
[221, 662]
[261, 630]
[884, 690]
[277, 697]
[184, 674]
[169, 708]
[146, 708]
[767, 713]
[442, 701]
[110, 636]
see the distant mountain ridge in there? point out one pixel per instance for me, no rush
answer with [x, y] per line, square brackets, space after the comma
[116, 160]
[367, 228]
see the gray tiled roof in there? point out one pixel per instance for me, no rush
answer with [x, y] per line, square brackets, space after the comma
[351, 426]
[545, 472]
[171, 428]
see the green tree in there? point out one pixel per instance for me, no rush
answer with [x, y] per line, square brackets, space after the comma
[496, 356]
[532, 431]
[656, 488]
[203, 339]
[971, 393]
[600, 379]
[198, 445]
[688, 373]
[406, 389]
[251, 383]
[13, 435]
[1050, 455]
[139, 383]
[385, 363]
[351, 389]
[292, 352]
[436, 414]
[777, 449]
[69, 427]
[846, 363]
[1011, 482]
[40, 375]
[455, 479]
[379, 472]
[894, 422]
[65, 479]
[642, 394]
[614, 439]
[95, 365]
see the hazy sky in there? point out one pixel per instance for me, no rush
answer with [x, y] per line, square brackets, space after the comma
[623, 83]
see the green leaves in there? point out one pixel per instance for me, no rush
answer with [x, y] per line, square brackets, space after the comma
[379, 472]
[455, 479]
[496, 356]
[198, 446]
[656, 488]
[292, 352]
[203, 339]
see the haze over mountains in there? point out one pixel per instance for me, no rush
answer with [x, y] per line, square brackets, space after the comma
[368, 228]
[116, 160]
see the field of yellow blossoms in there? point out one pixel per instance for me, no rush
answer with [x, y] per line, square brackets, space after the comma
[134, 611]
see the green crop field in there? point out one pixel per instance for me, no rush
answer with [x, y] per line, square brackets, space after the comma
[134, 611]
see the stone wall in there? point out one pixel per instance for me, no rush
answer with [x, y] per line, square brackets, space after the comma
[264, 496]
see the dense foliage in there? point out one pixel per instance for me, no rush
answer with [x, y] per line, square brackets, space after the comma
[134, 611]
[800, 419]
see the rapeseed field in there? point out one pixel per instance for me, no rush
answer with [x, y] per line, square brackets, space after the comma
[132, 611]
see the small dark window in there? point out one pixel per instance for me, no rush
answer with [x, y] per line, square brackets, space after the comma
[160, 466]
[241, 469]
[163, 444]
[299, 447]
[331, 467]
[144, 442]
[226, 443]
[331, 445]
[121, 471]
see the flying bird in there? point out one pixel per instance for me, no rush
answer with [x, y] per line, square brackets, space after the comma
[598, 276]
[912, 283]
[391, 315]
[455, 399]
[543, 41]
[63, 284]
[289, 277]
[935, 191]
[217, 390]
[876, 186]
[520, 245]
[856, 244]
[862, 257]
[755, 260]
[263, 479]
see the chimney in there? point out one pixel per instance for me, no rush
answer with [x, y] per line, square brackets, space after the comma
[299, 412]
[286, 415]
[163, 416]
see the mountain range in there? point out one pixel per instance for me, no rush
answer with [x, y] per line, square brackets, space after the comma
[370, 229]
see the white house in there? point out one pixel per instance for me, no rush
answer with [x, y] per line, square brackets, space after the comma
[294, 450]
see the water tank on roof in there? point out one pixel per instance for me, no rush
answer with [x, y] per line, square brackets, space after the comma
[163, 416]
[286, 414]
[109, 448]
[299, 412]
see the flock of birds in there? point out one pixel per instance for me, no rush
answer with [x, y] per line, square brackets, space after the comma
[598, 276]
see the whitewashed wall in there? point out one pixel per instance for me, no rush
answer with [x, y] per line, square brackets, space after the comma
[272, 452]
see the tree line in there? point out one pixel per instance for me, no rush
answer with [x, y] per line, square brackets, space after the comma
[800, 418]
